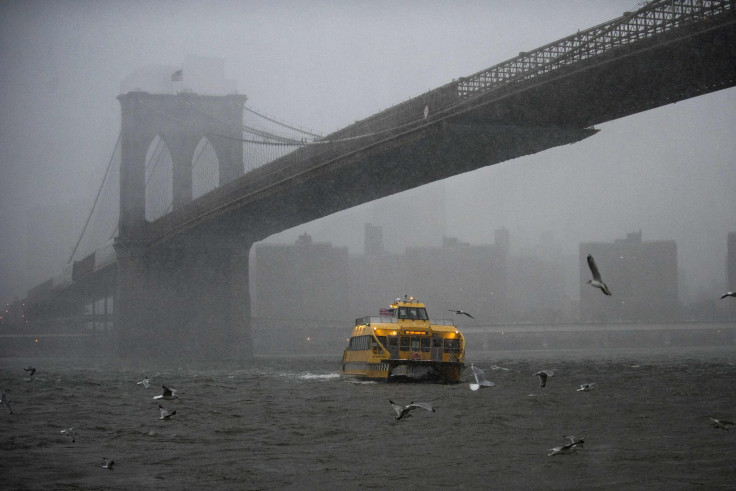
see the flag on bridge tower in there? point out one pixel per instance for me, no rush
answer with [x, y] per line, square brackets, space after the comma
[177, 76]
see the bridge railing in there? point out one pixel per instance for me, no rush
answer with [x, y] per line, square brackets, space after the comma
[649, 21]
[653, 19]
[401, 114]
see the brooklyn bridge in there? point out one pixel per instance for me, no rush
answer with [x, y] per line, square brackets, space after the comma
[199, 182]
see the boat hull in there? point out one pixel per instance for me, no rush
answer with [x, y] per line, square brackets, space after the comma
[404, 371]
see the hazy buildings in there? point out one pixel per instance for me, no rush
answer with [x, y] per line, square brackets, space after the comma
[308, 282]
[642, 277]
[299, 284]
[458, 275]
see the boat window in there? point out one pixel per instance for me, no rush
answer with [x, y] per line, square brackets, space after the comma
[425, 344]
[402, 313]
[415, 343]
[359, 343]
[452, 345]
[393, 341]
[375, 344]
[436, 342]
[404, 346]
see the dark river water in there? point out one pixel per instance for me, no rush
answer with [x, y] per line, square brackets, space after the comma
[275, 423]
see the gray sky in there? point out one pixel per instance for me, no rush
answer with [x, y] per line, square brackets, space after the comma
[669, 172]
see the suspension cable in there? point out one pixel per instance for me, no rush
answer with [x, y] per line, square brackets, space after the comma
[300, 130]
[99, 191]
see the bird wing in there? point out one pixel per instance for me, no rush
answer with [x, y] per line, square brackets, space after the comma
[593, 268]
[478, 373]
[396, 407]
[480, 377]
[469, 315]
[422, 405]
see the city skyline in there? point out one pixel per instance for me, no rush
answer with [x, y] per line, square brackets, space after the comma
[547, 285]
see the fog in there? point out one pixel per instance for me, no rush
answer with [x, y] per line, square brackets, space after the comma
[668, 172]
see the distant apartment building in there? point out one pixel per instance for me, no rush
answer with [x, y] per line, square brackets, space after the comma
[642, 277]
[458, 275]
[300, 283]
[376, 277]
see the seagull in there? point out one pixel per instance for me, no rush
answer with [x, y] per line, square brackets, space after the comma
[480, 379]
[496, 367]
[721, 424]
[543, 376]
[145, 382]
[596, 281]
[402, 412]
[565, 449]
[728, 294]
[586, 387]
[574, 439]
[108, 463]
[70, 433]
[165, 413]
[30, 369]
[5, 401]
[461, 312]
[167, 394]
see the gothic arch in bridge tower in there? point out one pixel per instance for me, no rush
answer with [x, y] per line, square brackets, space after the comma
[205, 168]
[159, 180]
[182, 122]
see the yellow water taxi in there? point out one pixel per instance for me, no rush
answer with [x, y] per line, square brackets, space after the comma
[404, 344]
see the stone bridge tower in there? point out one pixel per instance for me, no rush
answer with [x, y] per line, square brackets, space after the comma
[179, 298]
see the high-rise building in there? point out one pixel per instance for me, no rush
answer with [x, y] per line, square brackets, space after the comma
[299, 283]
[458, 275]
[642, 277]
[373, 240]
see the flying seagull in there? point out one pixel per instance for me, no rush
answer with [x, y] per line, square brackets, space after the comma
[480, 379]
[728, 294]
[403, 412]
[543, 377]
[30, 369]
[146, 382]
[165, 413]
[167, 394]
[461, 312]
[586, 387]
[108, 463]
[70, 433]
[5, 401]
[596, 281]
[721, 424]
[565, 449]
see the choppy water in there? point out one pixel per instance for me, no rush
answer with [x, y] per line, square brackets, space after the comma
[275, 423]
